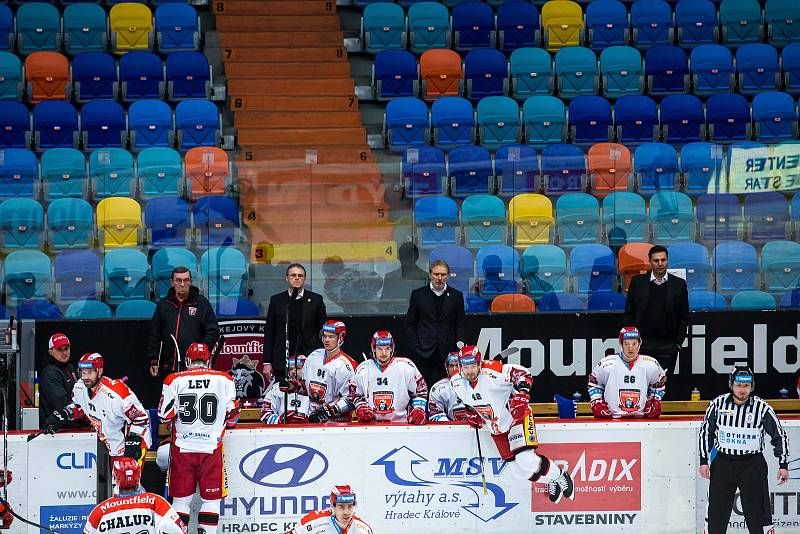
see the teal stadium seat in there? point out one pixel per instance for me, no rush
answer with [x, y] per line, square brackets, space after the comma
[27, 275]
[576, 72]
[498, 122]
[531, 73]
[11, 80]
[704, 300]
[165, 260]
[545, 121]
[735, 266]
[224, 270]
[64, 174]
[625, 219]
[753, 300]
[384, 27]
[85, 28]
[694, 259]
[436, 221]
[783, 24]
[672, 217]
[741, 22]
[70, 223]
[38, 28]
[428, 26]
[593, 268]
[577, 219]
[622, 71]
[484, 220]
[780, 265]
[22, 223]
[702, 165]
[111, 173]
[135, 309]
[544, 270]
[88, 309]
[126, 274]
[160, 172]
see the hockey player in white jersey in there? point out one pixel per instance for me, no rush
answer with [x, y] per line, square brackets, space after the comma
[201, 404]
[627, 384]
[443, 403]
[392, 386]
[329, 376]
[120, 420]
[499, 395]
[340, 518]
[272, 407]
[132, 509]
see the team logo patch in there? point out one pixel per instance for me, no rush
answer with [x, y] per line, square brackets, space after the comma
[749, 419]
[317, 391]
[629, 400]
[383, 402]
[192, 310]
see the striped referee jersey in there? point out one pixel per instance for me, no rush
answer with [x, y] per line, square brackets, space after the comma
[737, 430]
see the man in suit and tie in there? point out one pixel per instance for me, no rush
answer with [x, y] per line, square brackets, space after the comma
[306, 313]
[434, 322]
[658, 305]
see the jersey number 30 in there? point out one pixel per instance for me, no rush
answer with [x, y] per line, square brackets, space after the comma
[192, 408]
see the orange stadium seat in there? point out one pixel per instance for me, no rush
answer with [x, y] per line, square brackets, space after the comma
[207, 169]
[441, 73]
[513, 303]
[633, 260]
[47, 76]
[610, 168]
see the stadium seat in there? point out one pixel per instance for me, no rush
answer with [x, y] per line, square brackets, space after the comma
[790, 300]
[753, 300]
[576, 71]
[577, 219]
[636, 120]
[88, 309]
[667, 70]
[406, 123]
[703, 300]
[94, 75]
[27, 275]
[531, 219]
[485, 73]
[15, 125]
[127, 275]
[236, 308]
[469, 169]
[634, 259]
[696, 21]
[384, 27]
[55, 124]
[64, 174]
[562, 22]
[774, 117]
[151, 124]
[160, 172]
[119, 222]
[702, 166]
[610, 168]
[47, 77]
[497, 270]
[656, 167]
[741, 22]
[544, 270]
[423, 171]
[728, 117]
[165, 260]
[498, 122]
[135, 309]
[672, 217]
[38, 28]
[177, 28]
[11, 79]
[607, 24]
[758, 68]
[395, 75]
[545, 121]
[7, 33]
[512, 303]
[561, 302]
[131, 27]
[188, 76]
[735, 266]
[453, 122]
[712, 69]
[168, 222]
[780, 264]
[462, 267]
[796, 213]
[440, 71]
[694, 259]
[473, 26]
[111, 173]
[208, 171]
[783, 26]
[197, 123]
[436, 221]
[518, 25]
[85, 28]
[141, 76]
[563, 169]
[531, 72]
[590, 120]
[682, 119]
[70, 223]
[428, 26]
[216, 219]
[22, 223]
[625, 219]
[719, 217]
[593, 268]
[622, 71]
[103, 124]
[516, 168]
[77, 275]
[766, 217]
[606, 301]
[651, 23]
[224, 270]
[484, 220]
[19, 173]
[790, 62]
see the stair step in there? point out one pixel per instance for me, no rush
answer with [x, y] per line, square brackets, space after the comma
[278, 39]
[284, 55]
[270, 71]
[302, 137]
[300, 86]
[281, 23]
[290, 119]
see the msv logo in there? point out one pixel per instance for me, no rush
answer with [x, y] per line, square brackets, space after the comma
[283, 465]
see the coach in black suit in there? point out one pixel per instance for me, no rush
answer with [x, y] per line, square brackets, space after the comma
[658, 305]
[434, 322]
[306, 316]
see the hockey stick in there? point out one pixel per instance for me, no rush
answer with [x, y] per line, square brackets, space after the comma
[177, 353]
[160, 350]
[217, 349]
[502, 355]
[480, 451]
[35, 435]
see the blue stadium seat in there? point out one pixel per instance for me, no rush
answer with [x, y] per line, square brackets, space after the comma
[224, 270]
[406, 123]
[518, 25]
[590, 120]
[622, 71]
[545, 121]
[517, 170]
[790, 300]
[766, 216]
[753, 300]
[188, 76]
[384, 27]
[453, 122]
[168, 221]
[428, 26]
[625, 219]
[11, 80]
[702, 165]
[544, 270]
[85, 28]
[532, 73]
[6, 28]
[498, 271]
[593, 268]
[484, 220]
[607, 24]
[735, 266]
[696, 21]
[160, 172]
[22, 223]
[111, 173]
[672, 217]
[15, 125]
[88, 309]
[774, 117]
[782, 24]
[486, 73]
[576, 72]
[656, 166]
[141, 76]
[719, 217]
[70, 223]
[55, 124]
[197, 123]
[563, 169]
[165, 260]
[790, 61]
[498, 121]
[126, 274]
[606, 301]
[712, 69]
[27, 275]
[651, 23]
[19, 173]
[667, 70]
[702, 300]
[741, 22]
[216, 218]
[561, 302]
[64, 174]
[473, 25]
[758, 68]
[693, 258]
[462, 266]
[103, 124]
[38, 309]
[728, 117]
[236, 308]
[424, 171]
[436, 221]
[780, 263]
[395, 74]
[151, 124]
[682, 119]
[177, 28]
[38, 28]
[470, 171]
[636, 120]
[577, 219]
[135, 309]
[95, 76]
[474, 304]
[796, 212]
[77, 275]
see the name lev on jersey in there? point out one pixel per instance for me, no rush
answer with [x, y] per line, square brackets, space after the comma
[624, 386]
[323, 523]
[392, 391]
[144, 513]
[444, 404]
[328, 379]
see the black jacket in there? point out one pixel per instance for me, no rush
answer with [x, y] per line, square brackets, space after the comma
[430, 335]
[677, 304]
[192, 321]
[314, 316]
[56, 381]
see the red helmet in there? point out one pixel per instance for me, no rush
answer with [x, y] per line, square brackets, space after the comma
[629, 332]
[382, 338]
[198, 351]
[126, 472]
[342, 494]
[91, 360]
[469, 354]
[334, 327]
[298, 360]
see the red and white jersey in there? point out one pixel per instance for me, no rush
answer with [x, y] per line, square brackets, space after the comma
[625, 387]
[324, 523]
[489, 394]
[394, 390]
[114, 411]
[328, 379]
[272, 407]
[143, 513]
[444, 404]
[202, 402]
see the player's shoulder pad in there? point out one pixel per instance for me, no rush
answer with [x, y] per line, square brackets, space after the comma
[315, 516]
[363, 365]
[648, 359]
[116, 386]
[443, 383]
[316, 353]
[404, 361]
[161, 505]
[492, 365]
[607, 361]
[361, 525]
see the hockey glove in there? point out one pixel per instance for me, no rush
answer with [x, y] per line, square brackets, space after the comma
[364, 413]
[5, 479]
[289, 386]
[417, 416]
[474, 419]
[323, 414]
[133, 446]
[293, 417]
[518, 406]
[5, 517]
[652, 408]
[600, 409]
[57, 420]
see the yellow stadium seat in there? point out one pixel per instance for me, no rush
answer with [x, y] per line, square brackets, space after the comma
[131, 27]
[562, 21]
[119, 220]
[531, 218]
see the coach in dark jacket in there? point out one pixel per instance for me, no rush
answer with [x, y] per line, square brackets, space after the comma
[185, 314]
[56, 380]
[434, 322]
[658, 305]
[307, 314]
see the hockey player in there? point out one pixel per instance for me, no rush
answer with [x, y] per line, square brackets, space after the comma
[393, 387]
[627, 384]
[131, 509]
[5, 514]
[272, 409]
[329, 376]
[443, 403]
[500, 395]
[201, 403]
[112, 408]
[340, 518]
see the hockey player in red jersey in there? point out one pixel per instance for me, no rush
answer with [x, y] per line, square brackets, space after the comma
[132, 509]
[200, 403]
[5, 514]
[272, 408]
[340, 518]
[499, 395]
[393, 387]
[443, 403]
[329, 376]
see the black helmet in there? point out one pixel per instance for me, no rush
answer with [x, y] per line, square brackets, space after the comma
[742, 373]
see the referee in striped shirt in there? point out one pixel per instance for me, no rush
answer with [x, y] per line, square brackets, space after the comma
[735, 424]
